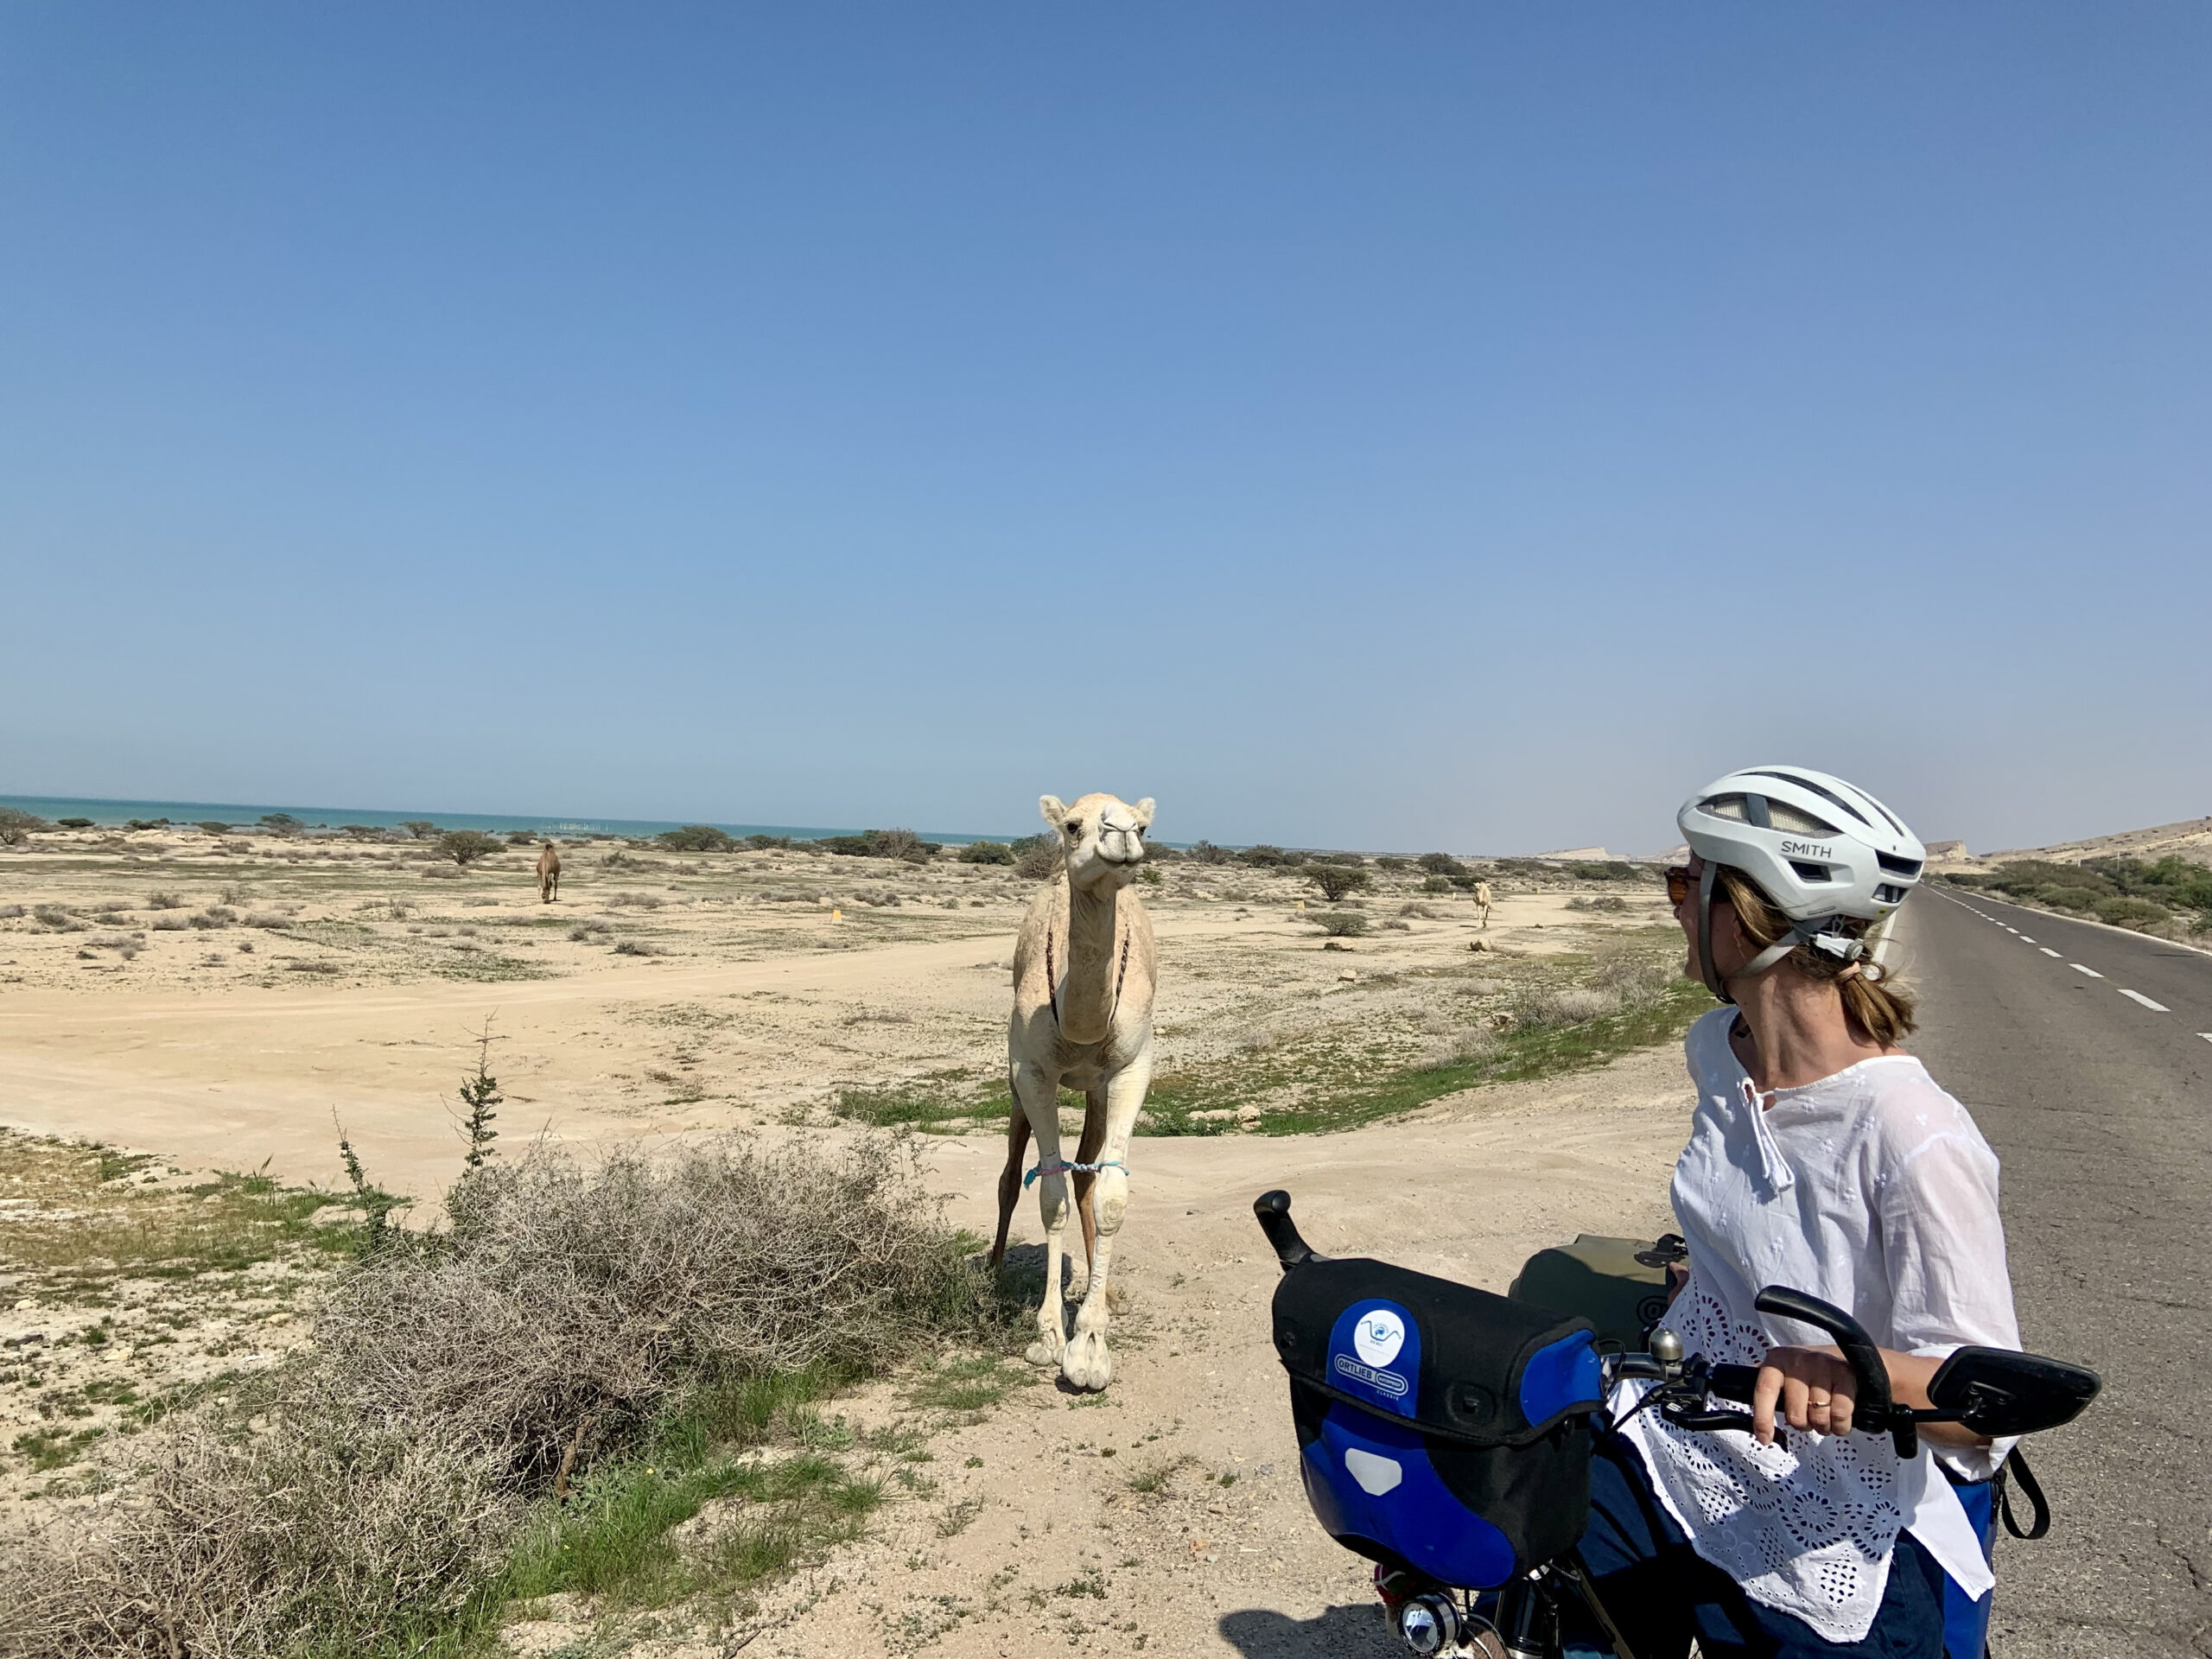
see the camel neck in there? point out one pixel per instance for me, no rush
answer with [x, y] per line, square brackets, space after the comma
[1087, 1001]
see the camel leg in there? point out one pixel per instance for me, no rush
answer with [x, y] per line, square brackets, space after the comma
[1086, 1364]
[1086, 1152]
[1038, 1095]
[1017, 1142]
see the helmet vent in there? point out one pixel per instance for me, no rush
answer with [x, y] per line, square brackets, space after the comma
[1824, 792]
[1809, 872]
[1907, 867]
[1886, 895]
[1726, 806]
[1782, 816]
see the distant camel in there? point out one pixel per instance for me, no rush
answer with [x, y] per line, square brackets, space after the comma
[1482, 901]
[1083, 986]
[548, 875]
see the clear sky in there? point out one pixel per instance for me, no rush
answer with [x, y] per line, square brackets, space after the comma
[1462, 425]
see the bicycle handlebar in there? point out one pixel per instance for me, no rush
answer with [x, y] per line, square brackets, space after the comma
[1873, 1410]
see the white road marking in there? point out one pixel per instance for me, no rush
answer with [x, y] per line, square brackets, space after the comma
[2048, 951]
[2155, 1008]
[2025, 939]
[2079, 969]
[2206, 1035]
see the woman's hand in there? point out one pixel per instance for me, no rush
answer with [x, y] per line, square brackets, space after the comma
[1814, 1389]
[1813, 1386]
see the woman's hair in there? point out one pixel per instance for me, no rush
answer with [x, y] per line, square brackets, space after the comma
[1882, 1009]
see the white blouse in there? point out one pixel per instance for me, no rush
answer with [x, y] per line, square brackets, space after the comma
[1873, 1190]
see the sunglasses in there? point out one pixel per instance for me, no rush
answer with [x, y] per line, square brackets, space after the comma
[1679, 883]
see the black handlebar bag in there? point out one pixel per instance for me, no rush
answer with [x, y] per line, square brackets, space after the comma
[1440, 1427]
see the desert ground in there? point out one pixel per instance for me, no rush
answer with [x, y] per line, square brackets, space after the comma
[175, 1005]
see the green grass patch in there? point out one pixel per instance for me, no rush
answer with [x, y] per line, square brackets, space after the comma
[49, 1449]
[966, 1382]
[1519, 1056]
[933, 1109]
[88, 1224]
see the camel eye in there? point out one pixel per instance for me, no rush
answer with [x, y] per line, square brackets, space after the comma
[1075, 826]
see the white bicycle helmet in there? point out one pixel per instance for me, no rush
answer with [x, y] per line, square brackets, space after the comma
[1822, 849]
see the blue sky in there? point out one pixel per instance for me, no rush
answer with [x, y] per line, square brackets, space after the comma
[1447, 425]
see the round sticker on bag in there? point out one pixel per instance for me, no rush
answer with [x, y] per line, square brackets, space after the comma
[1378, 1336]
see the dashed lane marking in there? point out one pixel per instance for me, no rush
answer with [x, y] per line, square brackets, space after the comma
[2079, 969]
[2025, 939]
[2048, 951]
[2138, 996]
[2206, 1035]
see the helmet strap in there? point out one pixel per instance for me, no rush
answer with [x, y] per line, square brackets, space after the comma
[1713, 982]
[1812, 931]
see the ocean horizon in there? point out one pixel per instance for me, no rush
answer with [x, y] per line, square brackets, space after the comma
[244, 815]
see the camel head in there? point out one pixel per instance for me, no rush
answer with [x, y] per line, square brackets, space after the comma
[1102, 837]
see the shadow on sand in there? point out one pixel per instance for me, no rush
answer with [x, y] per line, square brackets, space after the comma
[1350, 1632]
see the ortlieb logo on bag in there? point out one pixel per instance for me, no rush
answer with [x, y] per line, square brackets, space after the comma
[1375, 1355]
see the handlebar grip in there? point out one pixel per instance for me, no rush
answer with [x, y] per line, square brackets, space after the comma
[1273, 1210]
[1875, 1411]
[1732, 1382]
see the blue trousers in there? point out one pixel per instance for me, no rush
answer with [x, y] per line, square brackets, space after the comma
[1660, 1592]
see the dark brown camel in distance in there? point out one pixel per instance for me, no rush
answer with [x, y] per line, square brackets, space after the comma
[549, 875]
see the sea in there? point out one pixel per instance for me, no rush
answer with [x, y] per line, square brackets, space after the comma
[241, 816]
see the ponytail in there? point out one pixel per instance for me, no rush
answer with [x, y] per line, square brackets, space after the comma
[1872, 999]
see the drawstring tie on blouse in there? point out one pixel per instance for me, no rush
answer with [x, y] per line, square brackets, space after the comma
[1772, 1165]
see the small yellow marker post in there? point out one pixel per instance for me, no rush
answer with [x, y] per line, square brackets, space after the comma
[837, 915]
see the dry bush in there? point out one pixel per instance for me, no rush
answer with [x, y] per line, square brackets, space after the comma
[1562, 1006]
[1039, 858]
[1472, 1043]
[1634, 980]
[1341, 924]
[562, 1290]
[345, 1502]
[161, 900]
[317, 1527]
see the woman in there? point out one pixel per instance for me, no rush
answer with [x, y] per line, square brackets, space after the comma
[1821, 1156]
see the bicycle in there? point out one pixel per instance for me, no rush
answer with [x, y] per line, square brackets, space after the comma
[1444, 1433]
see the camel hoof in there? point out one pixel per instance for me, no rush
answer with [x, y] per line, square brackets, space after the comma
[1086, 1364]
[1042, 1354]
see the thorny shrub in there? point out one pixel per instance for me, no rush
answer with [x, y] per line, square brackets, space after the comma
[562, 1307]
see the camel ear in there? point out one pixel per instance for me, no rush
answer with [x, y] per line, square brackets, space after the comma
[1054, 810]
[1144, 809]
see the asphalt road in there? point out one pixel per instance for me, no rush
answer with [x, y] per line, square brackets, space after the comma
[2100, 1108]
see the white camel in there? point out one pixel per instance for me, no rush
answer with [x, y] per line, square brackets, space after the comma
[1083, 972]
[1482, 901]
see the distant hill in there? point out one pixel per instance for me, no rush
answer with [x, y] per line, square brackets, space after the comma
[2191, 839]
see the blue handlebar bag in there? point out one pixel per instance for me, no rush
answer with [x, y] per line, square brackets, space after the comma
[1441, 1428]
